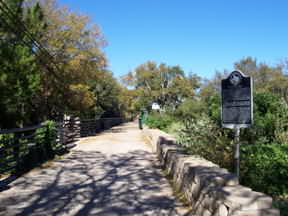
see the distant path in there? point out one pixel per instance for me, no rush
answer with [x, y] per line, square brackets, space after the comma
[113, 173]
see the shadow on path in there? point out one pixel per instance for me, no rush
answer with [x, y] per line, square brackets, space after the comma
[92, 183]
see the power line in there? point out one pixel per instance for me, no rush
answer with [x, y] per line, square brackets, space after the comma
[41, 53]
[40, 50]
[23, 29]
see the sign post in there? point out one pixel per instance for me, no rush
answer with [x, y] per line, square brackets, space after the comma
[237, 152]
[237, 108]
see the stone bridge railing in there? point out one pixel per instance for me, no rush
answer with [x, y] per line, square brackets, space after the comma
[209, 189]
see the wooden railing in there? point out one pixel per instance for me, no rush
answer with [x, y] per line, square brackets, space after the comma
[21, 148]
[24, 148]
[92, 127]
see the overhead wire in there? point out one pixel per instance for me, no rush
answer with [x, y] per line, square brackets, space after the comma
[21, 28]
[37, 48]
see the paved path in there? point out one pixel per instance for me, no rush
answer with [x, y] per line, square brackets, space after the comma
[113, 173]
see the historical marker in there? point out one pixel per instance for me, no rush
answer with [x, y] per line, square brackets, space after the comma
[237, 107]
[237, 101]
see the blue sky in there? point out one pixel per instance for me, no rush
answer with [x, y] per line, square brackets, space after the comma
[200, 36]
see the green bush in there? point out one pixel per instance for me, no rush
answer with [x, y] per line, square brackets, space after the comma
[175, 128]
[282, 205]
[190, 109]
[270, 120]
[204, 138]
[46, 139]
[160, 121]
[264, 167]
[30, 151]
[45, 148]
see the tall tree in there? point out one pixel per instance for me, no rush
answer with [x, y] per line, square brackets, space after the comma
[265, 77]
[19, 72]
[65, 71]
[262, 73]
[166, 85]
[76, 46]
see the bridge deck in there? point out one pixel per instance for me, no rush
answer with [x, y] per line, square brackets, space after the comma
[113, 173]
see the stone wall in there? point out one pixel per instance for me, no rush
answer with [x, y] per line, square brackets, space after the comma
[210, 190]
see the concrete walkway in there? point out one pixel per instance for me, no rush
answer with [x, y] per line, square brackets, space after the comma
[113, 173]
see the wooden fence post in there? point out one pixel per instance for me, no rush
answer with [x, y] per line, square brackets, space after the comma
[16, 151]
[47, 143]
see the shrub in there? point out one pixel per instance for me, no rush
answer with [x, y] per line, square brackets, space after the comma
[282, 205]
[46, 139]
[190, 109]
[175, 128]
[160, 121]
[29, 149]
[264, 167]
[204, 138]
[270, 120]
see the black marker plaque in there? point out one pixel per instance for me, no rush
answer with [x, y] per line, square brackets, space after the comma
[237, 103]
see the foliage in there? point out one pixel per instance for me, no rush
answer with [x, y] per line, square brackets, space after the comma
[19, 73]
[91, 91]
[203, 134]
[165, 85]
[203, 137]
[282, 205]
[263, 74]
[76, 48]
[128, 102]
[264, 155]
[196, 122]
[270, 120]
[46, 147]
[107, 93]
[160, 121]
[190, 109]
[65, 73]
[264, 167]
[30, 148]
[46, 139]
[175, 127]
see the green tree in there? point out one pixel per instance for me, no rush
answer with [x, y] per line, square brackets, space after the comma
[85, 86]
[107, 95]
[19, 73]
[166, 85]
[263, 74]
[36, 86]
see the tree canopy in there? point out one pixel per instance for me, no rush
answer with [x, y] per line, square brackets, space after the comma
[52, 63]
[165, 85]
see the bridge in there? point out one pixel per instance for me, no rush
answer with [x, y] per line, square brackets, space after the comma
[112, 173]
